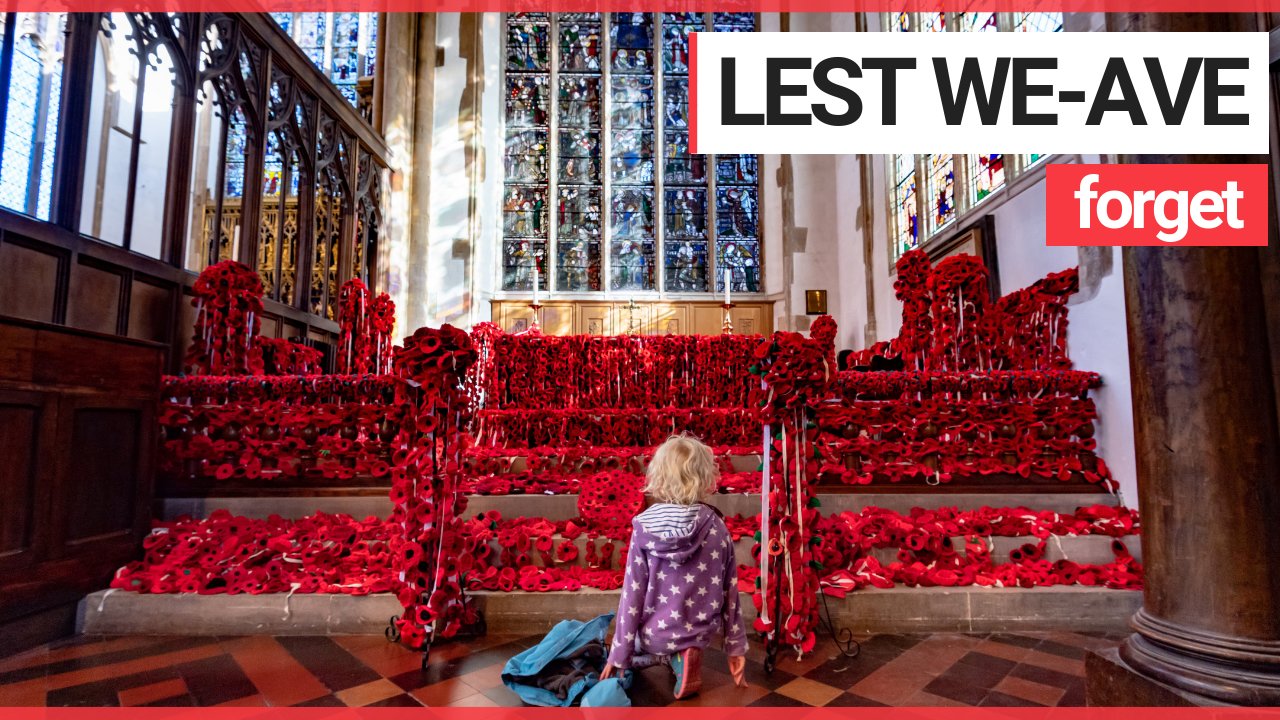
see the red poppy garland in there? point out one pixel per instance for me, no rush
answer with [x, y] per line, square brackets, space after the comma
[355, 346]
[228, 303]
[949, 324]
[426, 479]
[794, 372]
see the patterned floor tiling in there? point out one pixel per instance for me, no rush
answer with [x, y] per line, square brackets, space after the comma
[941, 669]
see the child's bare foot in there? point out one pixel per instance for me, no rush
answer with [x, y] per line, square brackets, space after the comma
[687, 665]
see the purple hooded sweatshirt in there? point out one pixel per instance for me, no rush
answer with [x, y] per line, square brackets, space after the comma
[681, 585]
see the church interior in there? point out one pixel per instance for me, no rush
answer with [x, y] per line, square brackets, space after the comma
[335, 348]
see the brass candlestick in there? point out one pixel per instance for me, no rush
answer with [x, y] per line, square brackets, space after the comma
[727, 327]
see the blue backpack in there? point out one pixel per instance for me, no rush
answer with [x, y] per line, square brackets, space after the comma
[565, 640]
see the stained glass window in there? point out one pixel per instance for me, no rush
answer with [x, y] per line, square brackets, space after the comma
[634, 209]
[685, 264]
[931, 22]
[906, 227]
[631, 120]
[979, 22]
[983, 174]
[33, 107]
[343, 45]
[940, 196]
[986, 175]
[579, 173]
[1037, 22]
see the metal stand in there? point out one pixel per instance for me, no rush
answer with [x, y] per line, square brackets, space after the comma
[727, 327]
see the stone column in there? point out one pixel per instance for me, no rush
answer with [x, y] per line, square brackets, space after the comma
[1208, 452]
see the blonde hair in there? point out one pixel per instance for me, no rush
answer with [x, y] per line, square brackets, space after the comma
[683, 471]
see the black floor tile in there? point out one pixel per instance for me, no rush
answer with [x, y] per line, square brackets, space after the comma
[332, 665]
[843, 673]
[108, 658]
[851, 700]
[105, 693]
[216, 680]
[1022, 641]
[990, 663]
[999, 699]
[1046, 676]
[401, 700]
[322, 701]
[976, 675]
[957, 690]
[175, 701]
[1061, 649]
[774, 699]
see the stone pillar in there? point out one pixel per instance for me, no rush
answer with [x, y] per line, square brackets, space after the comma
[395, 107]
[1208, 452]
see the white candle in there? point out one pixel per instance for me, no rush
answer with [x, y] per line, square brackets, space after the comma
[726, 286]
[535, 281]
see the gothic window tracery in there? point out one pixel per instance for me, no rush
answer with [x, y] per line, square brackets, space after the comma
[940, 187]
[634, 210]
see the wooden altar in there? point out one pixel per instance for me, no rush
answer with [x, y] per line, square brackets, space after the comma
[617, 317]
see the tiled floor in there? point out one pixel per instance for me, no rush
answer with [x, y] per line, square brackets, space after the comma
[939, 669]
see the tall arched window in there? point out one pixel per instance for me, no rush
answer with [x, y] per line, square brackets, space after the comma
[135, 81]
[32, 69]
[601, 192]
[928, 192]
[343, 45]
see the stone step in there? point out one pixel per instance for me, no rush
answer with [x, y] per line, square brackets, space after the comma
[1091, 549]
[897, 610]
[565, 507]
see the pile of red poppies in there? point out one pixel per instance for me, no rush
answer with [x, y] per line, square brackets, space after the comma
[950, 324]
[278, 427]
[946, 547]
[230, 554]
[607, 427]
[590, 371]
[933, 426]
[285, 357]
[228, 303]
[338, 554]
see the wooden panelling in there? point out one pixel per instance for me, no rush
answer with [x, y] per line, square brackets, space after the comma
[77, 447]
[94, 301]
[30, 286]
[557, 318]
[671, 319]
[17, 353]
[595, 319]
[150, 309]
[20, 423]
[565, 317]
[101, 485]
[707, 319]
